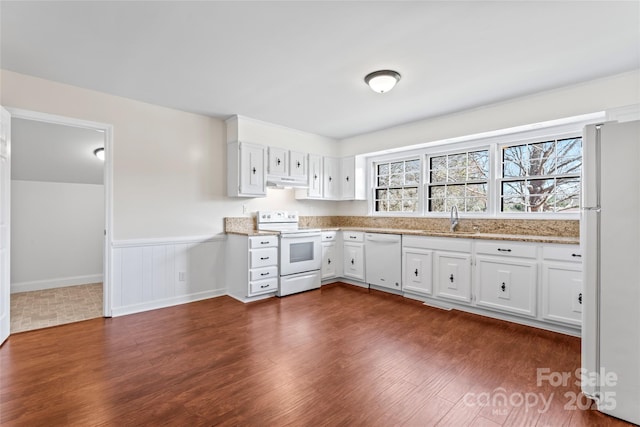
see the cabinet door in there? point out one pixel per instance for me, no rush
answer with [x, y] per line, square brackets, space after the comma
[348, 178]
[354, 261]
[507, 285]
[252, 169]
[315, 176]
[416, 271]
[453, 276]
[278, 158]
[328, 260]
[562, 293]
[297, 164]
[331, 178]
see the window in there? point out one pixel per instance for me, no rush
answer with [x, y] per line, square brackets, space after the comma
[541, 176]
[459, 179]
[396, 186]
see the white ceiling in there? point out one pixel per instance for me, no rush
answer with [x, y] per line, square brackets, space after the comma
[55, 153]
[301, 64]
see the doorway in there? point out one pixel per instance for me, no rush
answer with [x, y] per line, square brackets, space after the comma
[61, 204]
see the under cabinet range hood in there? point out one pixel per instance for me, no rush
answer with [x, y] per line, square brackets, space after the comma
[276, 181]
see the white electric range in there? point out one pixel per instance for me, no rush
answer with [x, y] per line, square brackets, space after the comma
[300, 252]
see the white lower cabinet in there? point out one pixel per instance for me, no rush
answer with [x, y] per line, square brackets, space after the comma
[453, 275]
[353, 255]
[562, 284]
[506, 285]
[417, 270]
[329, 261]
[252, 266]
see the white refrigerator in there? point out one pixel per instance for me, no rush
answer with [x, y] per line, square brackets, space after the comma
[610, 238]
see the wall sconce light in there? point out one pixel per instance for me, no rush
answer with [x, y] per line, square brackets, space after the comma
[99, 153]
[382, 81]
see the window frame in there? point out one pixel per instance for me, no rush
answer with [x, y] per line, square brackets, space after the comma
[536, 132]
[372, 182]
[499, 180]
[465, 149]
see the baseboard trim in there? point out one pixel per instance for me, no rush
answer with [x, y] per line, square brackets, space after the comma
[59, 282]
[167, 302]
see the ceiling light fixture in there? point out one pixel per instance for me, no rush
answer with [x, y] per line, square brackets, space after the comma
[382, 81]
[99, 153]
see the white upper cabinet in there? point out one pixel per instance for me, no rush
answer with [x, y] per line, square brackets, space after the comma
[278, 161]
[353, 181]
[297, 164]
[315, 177]
[246, 169]
[348, 178]
[331, 182]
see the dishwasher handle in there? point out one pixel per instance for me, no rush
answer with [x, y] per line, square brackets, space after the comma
[383, 238]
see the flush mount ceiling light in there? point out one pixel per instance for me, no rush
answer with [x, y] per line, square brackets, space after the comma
[99, 153]
[382, 81]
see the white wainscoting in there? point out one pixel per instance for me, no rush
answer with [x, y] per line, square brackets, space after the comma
[156, 273]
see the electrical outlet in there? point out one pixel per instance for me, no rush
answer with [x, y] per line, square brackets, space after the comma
[244, 208]
[182, 276]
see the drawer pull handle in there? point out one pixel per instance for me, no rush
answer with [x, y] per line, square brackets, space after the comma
[253, 170]
[330, 179]
[264, 286]
[264, 257]
[451, 278]
[347, 178]
[504, 250]
[264, 243]
[352, 261]
[298, 164]
[353, 237]
[277, 161]
[328, 260]
[265, 274]
[576, 255]
[503, 287]
[580, 298]
[416, 272]
[315, 177]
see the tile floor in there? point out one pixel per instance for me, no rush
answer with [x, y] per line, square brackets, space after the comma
[51, 307]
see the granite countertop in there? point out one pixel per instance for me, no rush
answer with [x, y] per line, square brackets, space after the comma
[431, 233]
[465, 235]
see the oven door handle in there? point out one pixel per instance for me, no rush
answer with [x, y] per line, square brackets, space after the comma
[300, 235]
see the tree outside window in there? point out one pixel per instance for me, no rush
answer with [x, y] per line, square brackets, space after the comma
[397, 184]
[542, 176]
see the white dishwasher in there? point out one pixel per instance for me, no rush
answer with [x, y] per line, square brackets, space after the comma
[383, 260]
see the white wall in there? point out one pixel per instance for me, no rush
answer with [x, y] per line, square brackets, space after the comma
[589, 97]
[56, 234]
[169, 166]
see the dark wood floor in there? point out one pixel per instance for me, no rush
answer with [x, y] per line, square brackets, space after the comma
[336, 356]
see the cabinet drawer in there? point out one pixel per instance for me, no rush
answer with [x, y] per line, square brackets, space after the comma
[511, 249]
[263, 257]
[569, 253]
[449, 244]
[263, 241]
[353, 236]
[263, 273]
[328, 236]
[262, 286]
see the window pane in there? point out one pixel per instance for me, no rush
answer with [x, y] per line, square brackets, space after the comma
[397, 167]
[476, 190]
[437, 192]
[381, 194]
[383, 169]
[410, 193]
[457, 175]
[436, 205]
[395, 205]
[396, 180]
[409, 205]
[458, 161]
[455, 191]
[476, 204]
[412, 178]
[381, 205]
[515, 161]
[479, 165]
[383, 181]
[395, 194]
[569, 165]
[513, 204]
[412, 166]
[513, 188]
[438, 169]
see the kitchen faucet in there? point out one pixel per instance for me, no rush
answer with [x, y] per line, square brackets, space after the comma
[454, 217]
